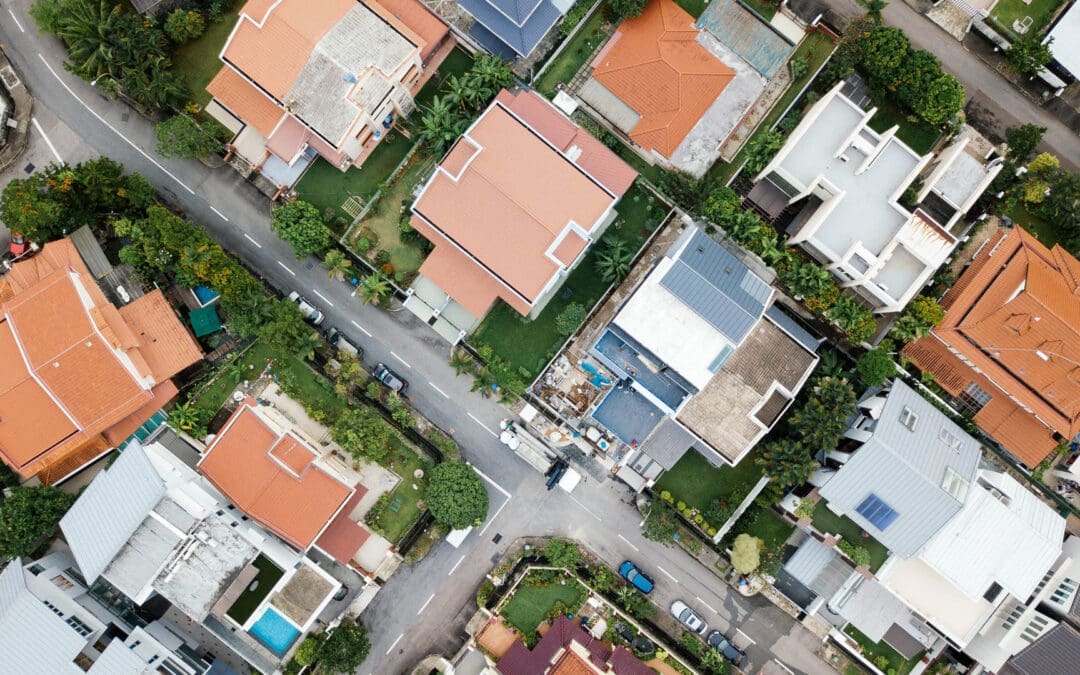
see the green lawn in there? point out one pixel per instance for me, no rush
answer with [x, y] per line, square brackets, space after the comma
[766, 8]
[1008, 11]
[873, 650]
[919, 135]
[693, 7]
[325, 186]
[1043, 231]
[697, 482]
[268, 575]
[293, 373]
[384, 219]
[198, 62]
[825, 521]
[815, 48]
[530, 344]
[457, 63]
[530, 604]
[573, 56]
[401, 509]
[764, 524]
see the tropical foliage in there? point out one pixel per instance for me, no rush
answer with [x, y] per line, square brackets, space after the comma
[337, 264]
[874, 367]
[613, 261]
[570, 318]
[344, 649]
[183, 25]
[746, 553]
[462, 99]
[301, 224]
[456, 496]
[1029, 54]
[181, 136]
[28, 516]
[363, 433]
[923, 313]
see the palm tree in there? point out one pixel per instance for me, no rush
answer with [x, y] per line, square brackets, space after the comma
[483, 381]
[374, 288]
[186, 418]
[745, 226]
[874, 9]
[713, 662]
[337, 264]
[492, 71]
[466, 91]
[845, 313]
[625, 595]
[806, 280]
[87, 27]
[441, 124]
[613, 263]
[460, 361]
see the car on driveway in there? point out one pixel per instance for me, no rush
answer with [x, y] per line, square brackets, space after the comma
[310, 312]
[688, 617]
[720, 643]
[391, 379]
[639, 579]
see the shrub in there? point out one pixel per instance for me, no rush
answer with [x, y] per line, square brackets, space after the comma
[746, 553]
[562, 553]
[628, 8]
[874, 367]
[184, 25]
[681, 505]
[568, 321]
[666, 496]
[575, 16]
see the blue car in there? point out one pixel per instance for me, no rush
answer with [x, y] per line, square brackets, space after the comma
[631, 573]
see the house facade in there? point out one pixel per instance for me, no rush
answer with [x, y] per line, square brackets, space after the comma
[513, 207]
[848, 183]
[326, 79]
[81, 374]
[1009, 347]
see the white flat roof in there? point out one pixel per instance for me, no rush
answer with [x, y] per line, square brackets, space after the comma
[1066, 35]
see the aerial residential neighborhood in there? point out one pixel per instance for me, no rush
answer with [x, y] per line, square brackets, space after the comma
[694, 337]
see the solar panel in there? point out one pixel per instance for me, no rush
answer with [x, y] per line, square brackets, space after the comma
[880, 514]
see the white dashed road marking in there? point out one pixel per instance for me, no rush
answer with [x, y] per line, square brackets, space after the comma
[628, 543]
[424, 606]
[248, 237]
[748, 638]
[669, 575]
[587, 510]
[400, 359]
[286, 268]
[220, 214]
[324, 298]
[455, 566]
[16, 20]
[361, 328]
[706, 605]
[47, 141]
[445, 395]
[474, 419]
[395, 643]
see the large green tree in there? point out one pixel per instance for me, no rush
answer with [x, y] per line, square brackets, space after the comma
[1029, 54]
[628, 8]
[284, 327]
[181, 136]
[29, 516]
[1022, 141]
[884, 50]
[345, 649]
[363, 433]
[456, 496]
[300, 224]
[183, 25]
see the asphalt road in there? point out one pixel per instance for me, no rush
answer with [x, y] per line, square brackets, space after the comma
[421, 608]
[1004, 103]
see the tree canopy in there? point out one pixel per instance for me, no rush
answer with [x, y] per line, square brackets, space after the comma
[363, 433]
[628, 8]
[181, 136]
[746, 553]
[1022, 141]
[874, 367]
[345, 649]
[456, 496]
[301, 224]
[28, 516]
[1029, 54]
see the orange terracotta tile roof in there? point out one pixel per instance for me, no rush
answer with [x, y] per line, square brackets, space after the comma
[164, 343]
[271, 43]
[245, 101]
[421, 20]
[163, 392]
[268, 473]
[344, 537]
[654, 64]
[508, 207]
[461, 278]
[1014, 314]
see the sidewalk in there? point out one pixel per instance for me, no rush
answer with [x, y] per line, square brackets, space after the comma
[23, 105]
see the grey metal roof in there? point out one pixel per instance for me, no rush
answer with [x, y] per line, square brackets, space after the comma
[110, 510]
[668, 443]
[118, 659]
[90, 251]
[818, 567]
[905, 468]
[793, 329]
[32, 638]
[1058, 651]
[717, 286]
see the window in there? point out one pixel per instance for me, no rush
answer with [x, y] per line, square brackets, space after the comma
[36, 569]
[880, 514]
[62, 582]
[54, 608]
[949, 438]
[80, 627]
[954, 484]
[720, 359]
[908, 418]
[973, 399]
[991, 593]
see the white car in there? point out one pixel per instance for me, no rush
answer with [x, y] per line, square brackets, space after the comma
[307, 309]
[688, 617]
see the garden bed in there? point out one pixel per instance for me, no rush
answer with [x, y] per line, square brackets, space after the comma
[528, 345]
[249, 600]
[592, 33]
[825, 521]
[396, 511]
[198, 61]
[696, 482]
[882, 655]
[537, 596]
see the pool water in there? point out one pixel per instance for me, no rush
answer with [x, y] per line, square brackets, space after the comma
[205, 295]
[274, 631]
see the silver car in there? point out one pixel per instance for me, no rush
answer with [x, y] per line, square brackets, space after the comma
[688, 617]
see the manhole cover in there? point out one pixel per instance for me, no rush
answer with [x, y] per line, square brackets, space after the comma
[8, 76]
[29, 168]
[497, 539]
[125, 117]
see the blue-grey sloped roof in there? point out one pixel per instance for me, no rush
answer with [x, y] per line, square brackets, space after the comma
[110, 510]
[521, 33]
[718, 287]
[793, 328]
[745, 33]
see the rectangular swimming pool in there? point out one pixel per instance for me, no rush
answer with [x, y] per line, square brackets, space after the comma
[275, 631]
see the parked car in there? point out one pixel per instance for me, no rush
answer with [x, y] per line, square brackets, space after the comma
[339, 342]
[638, 642]
[391, 379]
[639, 579]
[556, 472]
[310, 312]
[688, 617]
[720, 643]
[341, 593]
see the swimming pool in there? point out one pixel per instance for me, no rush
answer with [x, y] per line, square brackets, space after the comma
[204, 295]
[274, 631]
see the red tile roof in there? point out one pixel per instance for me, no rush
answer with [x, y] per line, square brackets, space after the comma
[552, 655]
[269, 473]
[655, 65]
[344, 536]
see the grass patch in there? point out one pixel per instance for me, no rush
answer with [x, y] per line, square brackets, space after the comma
[457, 62]
[1045, 232]
[697, 482]
[765, 8]
[769, 527]
[1008, 11]
[268, 575]
[325, 186]
[875, 650]
[815, 48]
[530, 344]
[384, 219]
[573, 56]
[693, 7]
[398, 510]
[919, 135]
[531, 604]
[198, 62]
[828, 522]
[294, 375]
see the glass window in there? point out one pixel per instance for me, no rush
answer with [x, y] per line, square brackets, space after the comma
[908, 418]
[954, 484]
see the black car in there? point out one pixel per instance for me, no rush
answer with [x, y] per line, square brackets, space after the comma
[391, 379]
[720, 643]
[555, 473]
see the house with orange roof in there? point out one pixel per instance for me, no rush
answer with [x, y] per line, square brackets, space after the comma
[329, 78]
[672, 89]
[1008, 351]
[511, 209]
[80, 375]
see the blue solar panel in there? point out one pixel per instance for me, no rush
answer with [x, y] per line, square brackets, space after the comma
[880, 514]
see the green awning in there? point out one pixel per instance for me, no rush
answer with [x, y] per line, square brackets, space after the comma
[204, 320]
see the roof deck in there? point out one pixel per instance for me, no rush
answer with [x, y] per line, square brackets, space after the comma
[628, 414]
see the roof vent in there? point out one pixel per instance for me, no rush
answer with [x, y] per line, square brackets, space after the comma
[573, 152]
